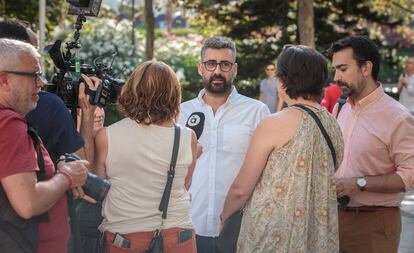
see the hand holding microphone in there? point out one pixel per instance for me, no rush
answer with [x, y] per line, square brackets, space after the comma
[196, 123]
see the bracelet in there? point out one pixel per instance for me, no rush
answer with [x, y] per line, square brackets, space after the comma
[68, 177]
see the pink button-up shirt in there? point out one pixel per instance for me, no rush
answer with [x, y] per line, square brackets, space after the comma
[379, 139]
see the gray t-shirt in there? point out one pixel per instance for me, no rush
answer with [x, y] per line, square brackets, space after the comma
[269, 90]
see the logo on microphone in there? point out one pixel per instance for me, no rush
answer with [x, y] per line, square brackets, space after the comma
[194, 120]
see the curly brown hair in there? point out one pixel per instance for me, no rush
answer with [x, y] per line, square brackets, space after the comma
[152, 94]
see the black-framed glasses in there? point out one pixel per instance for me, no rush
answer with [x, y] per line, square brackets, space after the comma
[38, 75]
[211, 65]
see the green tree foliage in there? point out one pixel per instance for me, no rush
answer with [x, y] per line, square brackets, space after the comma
[261, 27]
[255, 25]
[29, 10]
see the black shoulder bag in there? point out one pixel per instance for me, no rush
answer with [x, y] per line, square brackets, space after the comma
[156, 244]
[22, 233]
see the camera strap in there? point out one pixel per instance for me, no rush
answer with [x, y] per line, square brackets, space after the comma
[41, 173]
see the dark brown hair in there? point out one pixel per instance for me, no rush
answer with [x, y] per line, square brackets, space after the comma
[303, 71]
[363, 50]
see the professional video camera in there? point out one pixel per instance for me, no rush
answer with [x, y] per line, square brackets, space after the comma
[65, 82]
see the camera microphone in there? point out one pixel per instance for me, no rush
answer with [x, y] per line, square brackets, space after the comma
[196, 123]
[343, 201]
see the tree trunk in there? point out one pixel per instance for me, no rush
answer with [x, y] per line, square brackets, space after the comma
[306, 23]
[169, 16]
[149, 28]
[132, 26]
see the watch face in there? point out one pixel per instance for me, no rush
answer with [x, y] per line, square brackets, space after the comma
[361, 182]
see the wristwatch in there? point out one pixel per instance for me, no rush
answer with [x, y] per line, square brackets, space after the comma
[361, 183]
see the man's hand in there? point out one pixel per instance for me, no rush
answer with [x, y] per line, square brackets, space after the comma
[199, 149]
[346, 186]
[78, 192]
[87, 117]
[93, 83]
[77, 170]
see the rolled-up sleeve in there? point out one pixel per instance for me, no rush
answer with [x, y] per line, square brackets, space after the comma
[402, 150]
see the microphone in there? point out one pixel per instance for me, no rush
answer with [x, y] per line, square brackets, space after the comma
[196, 123]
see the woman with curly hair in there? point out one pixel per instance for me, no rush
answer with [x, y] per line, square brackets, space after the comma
[135, 155]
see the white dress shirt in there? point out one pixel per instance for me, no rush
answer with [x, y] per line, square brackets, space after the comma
[407, 94]
[225, 139]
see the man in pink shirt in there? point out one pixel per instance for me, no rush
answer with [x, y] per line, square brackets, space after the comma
[378, 164]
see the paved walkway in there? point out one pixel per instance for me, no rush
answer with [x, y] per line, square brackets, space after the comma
[407, 234]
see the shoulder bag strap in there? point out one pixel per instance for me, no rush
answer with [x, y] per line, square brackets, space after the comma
[16, 235]
[171, 173]
[341, 101]
[41, 173]
[324, 133]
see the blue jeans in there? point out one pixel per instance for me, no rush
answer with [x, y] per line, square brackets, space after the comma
[206, 244]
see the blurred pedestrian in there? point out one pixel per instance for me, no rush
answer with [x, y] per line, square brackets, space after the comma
[269, 91]
[331, 96]
[406, 85]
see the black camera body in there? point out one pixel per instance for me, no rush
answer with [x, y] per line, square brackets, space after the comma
[65, 81]
[95, 187]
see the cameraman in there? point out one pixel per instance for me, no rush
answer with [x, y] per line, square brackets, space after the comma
[57, 130]
[51, 118]
[20, 83]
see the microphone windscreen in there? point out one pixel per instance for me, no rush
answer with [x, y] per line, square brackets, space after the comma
[196, 122]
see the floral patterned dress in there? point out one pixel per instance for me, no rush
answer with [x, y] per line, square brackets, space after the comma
[293, 207]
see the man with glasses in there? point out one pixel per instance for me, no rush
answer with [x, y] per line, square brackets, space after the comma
[268, 90]
[230, 120]
[406, 85]
[27, 174]
[56, 127]
[51, 118]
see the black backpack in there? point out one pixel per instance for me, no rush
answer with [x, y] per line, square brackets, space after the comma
[18, 235]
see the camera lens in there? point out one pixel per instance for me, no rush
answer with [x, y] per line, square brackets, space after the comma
[96, 187]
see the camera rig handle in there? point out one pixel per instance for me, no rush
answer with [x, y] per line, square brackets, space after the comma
[75, 44]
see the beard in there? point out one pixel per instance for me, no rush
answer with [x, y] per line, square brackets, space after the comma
[346, 88]
[218, 84]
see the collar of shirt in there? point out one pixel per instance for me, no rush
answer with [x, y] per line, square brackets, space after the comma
[367, 101]
[230, 98]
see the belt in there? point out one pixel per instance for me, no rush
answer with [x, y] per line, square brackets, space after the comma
[366, 209]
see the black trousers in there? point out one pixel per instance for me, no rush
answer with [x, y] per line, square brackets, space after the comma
[206, 244]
